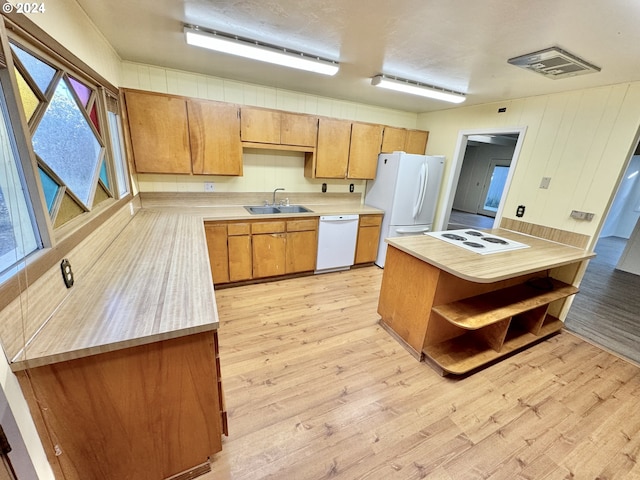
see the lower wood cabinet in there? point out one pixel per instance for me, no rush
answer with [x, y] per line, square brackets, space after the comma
[238, 251]
[269, 248]
[149, 411]
[251, 250]
[302, 245]
[368, 238]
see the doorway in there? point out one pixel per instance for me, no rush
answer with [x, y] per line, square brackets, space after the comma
[482, 165]
[494, 183]
[605, 311]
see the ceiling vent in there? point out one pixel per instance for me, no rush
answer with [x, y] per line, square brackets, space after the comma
[554, 63]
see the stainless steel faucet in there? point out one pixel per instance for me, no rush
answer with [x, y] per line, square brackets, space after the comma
[274, 195]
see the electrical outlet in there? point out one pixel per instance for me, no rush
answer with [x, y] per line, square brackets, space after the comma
[324, 188]
[520, 211]
[67, 273]
[209, 187]
[351, 187]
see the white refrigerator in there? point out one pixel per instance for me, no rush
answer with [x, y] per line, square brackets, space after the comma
[406, 187]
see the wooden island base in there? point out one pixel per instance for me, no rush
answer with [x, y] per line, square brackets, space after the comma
[457, 325]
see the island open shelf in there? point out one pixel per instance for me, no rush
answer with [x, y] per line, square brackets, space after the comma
[457, 321]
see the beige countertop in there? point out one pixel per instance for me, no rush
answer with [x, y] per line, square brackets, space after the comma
[541, 255]
[152, 283]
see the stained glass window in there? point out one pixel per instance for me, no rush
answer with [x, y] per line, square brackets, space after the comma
[83, 92]
[71, 154]
[66, 143]
[50, 188]
[41, 73]
[103, 174]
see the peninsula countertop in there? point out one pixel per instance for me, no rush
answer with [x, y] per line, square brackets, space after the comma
[152, 283]
[541, 255]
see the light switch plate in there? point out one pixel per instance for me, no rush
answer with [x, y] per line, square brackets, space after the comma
[545, 182]
[209, 187]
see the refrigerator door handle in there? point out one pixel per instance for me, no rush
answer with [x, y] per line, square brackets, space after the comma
[422, 190]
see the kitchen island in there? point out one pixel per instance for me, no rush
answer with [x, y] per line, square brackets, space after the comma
[458, 310]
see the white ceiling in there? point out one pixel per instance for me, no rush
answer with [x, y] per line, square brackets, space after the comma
[461, 45]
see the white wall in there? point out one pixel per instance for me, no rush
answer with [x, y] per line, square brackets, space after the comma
[581, 139]
[625, 210]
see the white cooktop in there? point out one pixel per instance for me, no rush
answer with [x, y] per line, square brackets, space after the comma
[477, 241]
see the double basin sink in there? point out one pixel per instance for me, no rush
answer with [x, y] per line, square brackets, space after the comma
[269, 210]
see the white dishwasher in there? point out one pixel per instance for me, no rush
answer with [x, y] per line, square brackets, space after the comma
[337, 235]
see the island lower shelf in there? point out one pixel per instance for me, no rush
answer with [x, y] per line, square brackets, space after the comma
[465, 353]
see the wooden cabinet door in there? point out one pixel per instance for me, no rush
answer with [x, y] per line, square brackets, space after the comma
[240, 259]
[269, 254]
[416, 141]
[302, 250]
[363, 152]
[259, 125]
[298, 129]
[332, 152]
[218, 252]
[214, 130]
[368, 238]
[159, 131]
[393, 140]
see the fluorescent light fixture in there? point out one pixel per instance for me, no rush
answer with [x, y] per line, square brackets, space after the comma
[416, 88]
[225, 43]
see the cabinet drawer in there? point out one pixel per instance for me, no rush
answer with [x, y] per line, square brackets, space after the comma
[370, 220]
[302, 225]
[238, 229]
[267, 227]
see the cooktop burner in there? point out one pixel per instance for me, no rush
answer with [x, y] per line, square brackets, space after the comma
[477, 241]
[495, 240]
[452, 236]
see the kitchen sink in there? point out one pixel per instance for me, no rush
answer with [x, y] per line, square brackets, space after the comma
[293, 209]
[264, 210]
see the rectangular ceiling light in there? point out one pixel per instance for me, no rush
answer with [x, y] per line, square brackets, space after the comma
[225, 43]
[416, 88]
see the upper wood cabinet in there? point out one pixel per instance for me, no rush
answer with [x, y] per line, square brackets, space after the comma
[403, 140]
[173, 134]
[159, 131]
[345, 150]
[215, 146]
[260, 125]
[364, 150]
[416, 141]
[332, 151]
[297, 129]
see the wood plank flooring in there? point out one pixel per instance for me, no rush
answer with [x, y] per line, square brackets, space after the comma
[316, 389]
[606, 309]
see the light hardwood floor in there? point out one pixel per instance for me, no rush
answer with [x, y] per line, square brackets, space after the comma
[315, 389]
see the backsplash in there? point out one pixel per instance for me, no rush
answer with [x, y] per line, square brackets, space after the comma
[263, 171]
